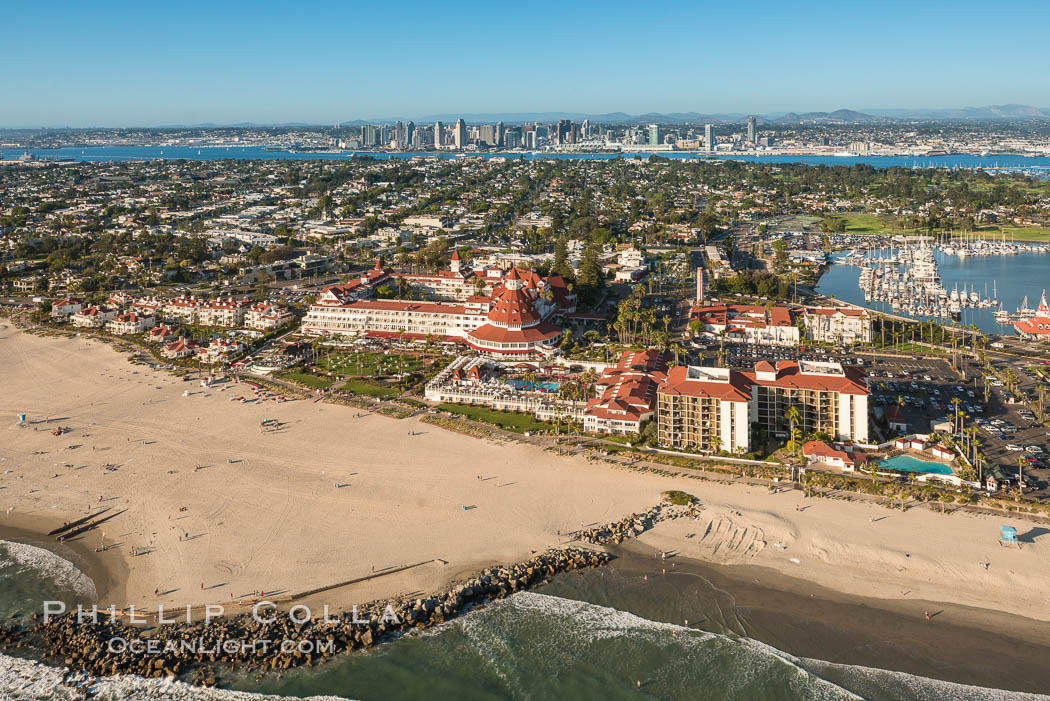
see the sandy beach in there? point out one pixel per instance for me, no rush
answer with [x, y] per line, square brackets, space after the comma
[264, 511]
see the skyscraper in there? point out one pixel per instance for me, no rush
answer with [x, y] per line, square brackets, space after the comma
[369, 135]
[709, 137]
[585, 129]
[654, 134]
[500, 131]
[459, 134]
[438, 139]
[752, 130]
[410, 134]
[562, 131]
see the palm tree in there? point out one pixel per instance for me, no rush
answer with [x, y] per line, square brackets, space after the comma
[955, 402]
[715, 442]
[793, 417]
[676, 349]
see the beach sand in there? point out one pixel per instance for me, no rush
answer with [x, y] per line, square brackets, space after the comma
[273, 519]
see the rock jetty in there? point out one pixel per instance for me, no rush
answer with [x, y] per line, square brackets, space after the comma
[273, 640]
[636, 524]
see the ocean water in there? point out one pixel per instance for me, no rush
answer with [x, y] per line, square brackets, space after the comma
[545, 644]
[30, 575]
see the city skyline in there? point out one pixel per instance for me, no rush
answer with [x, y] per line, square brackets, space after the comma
[126, 65]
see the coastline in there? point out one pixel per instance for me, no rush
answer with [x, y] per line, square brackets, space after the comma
[108, 574]
[273, 514]
[960, 644]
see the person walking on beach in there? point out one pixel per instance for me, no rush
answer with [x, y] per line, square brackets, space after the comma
[927, 616]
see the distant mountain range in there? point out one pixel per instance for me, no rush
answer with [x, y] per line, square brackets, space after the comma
[842, 116]
[989, 112]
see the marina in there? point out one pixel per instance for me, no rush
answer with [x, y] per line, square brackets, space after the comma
[969, 281]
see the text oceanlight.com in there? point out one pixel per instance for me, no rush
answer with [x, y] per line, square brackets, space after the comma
[230, 647]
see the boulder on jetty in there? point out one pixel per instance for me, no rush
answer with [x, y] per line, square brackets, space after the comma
[194, 649]
[636, 524]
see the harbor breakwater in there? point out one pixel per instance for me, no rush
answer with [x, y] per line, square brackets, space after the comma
[267, 640]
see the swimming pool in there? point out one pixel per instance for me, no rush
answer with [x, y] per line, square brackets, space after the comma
[907, 463]
[522, 384]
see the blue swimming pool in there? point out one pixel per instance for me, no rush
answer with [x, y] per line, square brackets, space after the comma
[522, 384]
[907, 463]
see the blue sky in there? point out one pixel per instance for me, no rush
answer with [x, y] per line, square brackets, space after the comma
[144, 63]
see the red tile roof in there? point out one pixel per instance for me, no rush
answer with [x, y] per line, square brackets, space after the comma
[736, 389]
[791, 376]
[488, 333]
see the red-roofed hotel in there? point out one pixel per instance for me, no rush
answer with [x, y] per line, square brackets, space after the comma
[516, 320]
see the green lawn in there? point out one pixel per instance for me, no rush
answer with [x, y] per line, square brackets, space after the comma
[888, 226]
[1023, 233]
[508, 420]
[369, 364]
[371, 390]
[306, 380]
[868, 224]
[902, 347]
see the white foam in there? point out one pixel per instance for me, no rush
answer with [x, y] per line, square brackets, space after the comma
[593, 623]
[598, 621]
[807, 678]
[25, 680]
[47, 565]
[917, 688]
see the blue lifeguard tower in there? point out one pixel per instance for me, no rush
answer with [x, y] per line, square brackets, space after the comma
[1008, 536]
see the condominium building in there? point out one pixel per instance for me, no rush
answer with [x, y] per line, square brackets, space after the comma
[828, 398]
[131, 322]
[227, 312]
[182, 309]
[701, 408]
[266, 317]
[837, 325]
[66, 307]
[93, 317]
